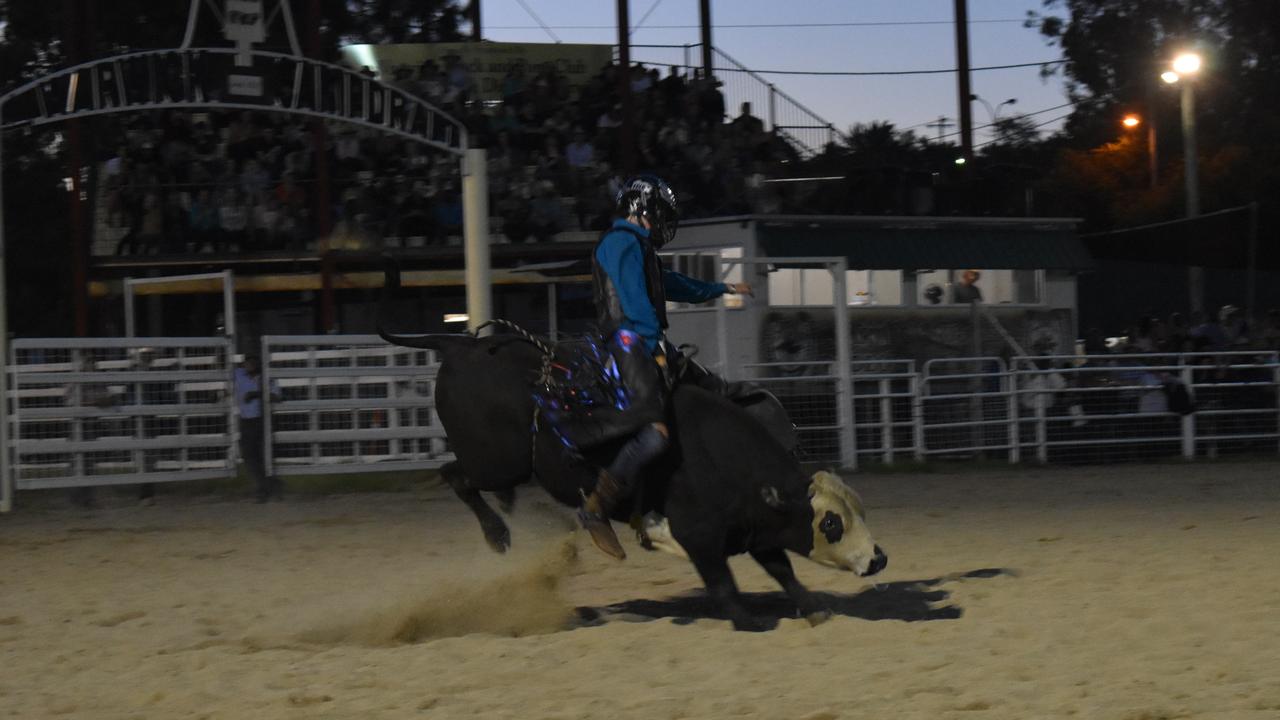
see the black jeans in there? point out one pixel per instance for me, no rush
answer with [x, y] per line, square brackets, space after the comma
[251, 449]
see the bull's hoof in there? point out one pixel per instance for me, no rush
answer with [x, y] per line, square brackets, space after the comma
[498, 535]
[754, 624]
[818, 617]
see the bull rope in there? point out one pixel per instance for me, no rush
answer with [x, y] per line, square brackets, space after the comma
[548, 355]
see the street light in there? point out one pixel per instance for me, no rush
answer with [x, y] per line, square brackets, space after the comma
[1185, 67]
[993, 112]
[1132, 121]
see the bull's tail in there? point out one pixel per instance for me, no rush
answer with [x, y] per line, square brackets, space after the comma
[434, 341]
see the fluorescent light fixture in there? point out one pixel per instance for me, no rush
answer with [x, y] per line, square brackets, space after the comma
[456, 317]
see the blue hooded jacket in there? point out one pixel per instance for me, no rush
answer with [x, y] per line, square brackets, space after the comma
[621, 256]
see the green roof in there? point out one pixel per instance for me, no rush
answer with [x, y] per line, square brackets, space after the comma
[887, 243]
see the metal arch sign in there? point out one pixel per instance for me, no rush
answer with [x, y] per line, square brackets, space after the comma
[197, 78]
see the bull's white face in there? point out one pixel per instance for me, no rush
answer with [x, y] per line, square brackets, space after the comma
[840, 535]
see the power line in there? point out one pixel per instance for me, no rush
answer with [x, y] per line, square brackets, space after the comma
[537, 19]
[646, 15]
[1033, 127]
[850, 73]
[766, 26]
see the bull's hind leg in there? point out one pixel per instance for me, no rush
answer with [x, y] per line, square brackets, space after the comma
[506, 500]
[778, 565]
[495, 530]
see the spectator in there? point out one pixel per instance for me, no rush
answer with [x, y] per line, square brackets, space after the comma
[1234, 325]
[580, 153]
[248, 389]
[233, 221]
[152, 228]
[448, 216]
[266, 222]
[202, 219]
[746, 124]
[546, 213]
[1271, 331]
[253, 180]
[967, 290]
[514, 209]
[1179, 335]
[1206, 334]
[513, 85]
[459, 80]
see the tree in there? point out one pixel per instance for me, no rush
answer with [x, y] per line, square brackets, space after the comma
[1115, 51]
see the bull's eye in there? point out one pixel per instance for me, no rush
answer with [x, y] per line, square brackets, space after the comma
[831, 527]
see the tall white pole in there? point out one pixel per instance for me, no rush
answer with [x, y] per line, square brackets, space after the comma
[475, 234]
[844, 371]
[1195, 273]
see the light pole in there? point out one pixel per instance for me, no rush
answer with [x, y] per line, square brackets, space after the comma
[993, 112]
[1132, 121]
[1185, 66]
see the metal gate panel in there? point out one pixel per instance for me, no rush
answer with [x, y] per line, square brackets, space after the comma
[104, 411]
[351, 403]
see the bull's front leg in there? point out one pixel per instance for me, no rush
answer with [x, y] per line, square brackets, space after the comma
[724, 591]
[778, 565]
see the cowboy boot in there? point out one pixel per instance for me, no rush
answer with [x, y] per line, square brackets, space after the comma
[595, 512]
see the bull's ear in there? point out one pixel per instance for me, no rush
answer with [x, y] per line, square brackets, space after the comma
[770, 496]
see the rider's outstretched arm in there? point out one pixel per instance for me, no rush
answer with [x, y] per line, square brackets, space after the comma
[682, 288]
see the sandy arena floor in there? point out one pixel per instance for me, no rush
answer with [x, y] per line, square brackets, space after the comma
[1130, 592]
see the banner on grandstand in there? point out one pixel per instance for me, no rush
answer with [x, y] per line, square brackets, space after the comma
[485, 62]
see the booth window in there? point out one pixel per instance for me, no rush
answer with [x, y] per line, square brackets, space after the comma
[1016, 287]
[814, 286]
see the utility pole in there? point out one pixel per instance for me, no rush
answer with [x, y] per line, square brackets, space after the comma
[962, 71]
[627, 135]
[704, 7]
[941, 124]
[474, 12]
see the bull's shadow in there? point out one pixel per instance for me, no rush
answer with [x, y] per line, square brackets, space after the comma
[908, 600]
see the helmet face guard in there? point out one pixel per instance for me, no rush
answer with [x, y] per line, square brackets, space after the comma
[648, 197]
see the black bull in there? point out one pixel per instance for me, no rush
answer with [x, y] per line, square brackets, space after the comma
[727, 485]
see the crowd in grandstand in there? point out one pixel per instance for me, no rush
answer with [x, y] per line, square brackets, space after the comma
[1226, 330]
[180, 181]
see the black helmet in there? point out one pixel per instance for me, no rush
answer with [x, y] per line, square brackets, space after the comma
[647, 196]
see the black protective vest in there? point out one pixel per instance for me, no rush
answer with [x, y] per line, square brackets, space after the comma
[609, 315]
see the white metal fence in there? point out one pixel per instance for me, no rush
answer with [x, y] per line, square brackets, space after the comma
[350, 403]
[92, 411]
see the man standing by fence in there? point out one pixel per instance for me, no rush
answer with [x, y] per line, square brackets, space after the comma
[248, 382]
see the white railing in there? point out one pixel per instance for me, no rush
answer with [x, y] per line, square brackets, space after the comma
[109, 411]
[96, 411]
[1110, 407]
[351, 403]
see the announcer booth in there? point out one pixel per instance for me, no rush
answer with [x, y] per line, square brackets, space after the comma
[896, 287]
